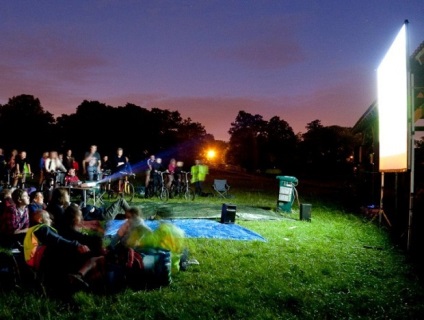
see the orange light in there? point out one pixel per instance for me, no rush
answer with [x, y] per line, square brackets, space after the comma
[211, 154]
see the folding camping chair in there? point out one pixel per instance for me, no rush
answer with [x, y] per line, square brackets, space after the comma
[221, 187]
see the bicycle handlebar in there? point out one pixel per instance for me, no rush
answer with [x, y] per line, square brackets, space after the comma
[130, 174]
[21, 174]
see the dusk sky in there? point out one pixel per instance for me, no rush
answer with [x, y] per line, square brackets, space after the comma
[298, 60]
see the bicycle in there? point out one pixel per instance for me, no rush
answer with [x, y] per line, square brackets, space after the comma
[52, 180]
[22, 179]
[182, 188]
[158, 188]
[125, 189]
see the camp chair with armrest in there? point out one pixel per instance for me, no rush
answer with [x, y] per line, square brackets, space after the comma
[221, 188]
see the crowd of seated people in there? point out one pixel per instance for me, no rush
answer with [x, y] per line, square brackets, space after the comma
[50, 236]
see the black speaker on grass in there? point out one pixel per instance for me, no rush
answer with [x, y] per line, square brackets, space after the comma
[305, 211]
[228, 213]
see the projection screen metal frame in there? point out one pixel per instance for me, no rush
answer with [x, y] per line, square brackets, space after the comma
[410, 133]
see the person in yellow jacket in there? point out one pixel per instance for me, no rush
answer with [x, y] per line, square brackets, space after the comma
[198, 176]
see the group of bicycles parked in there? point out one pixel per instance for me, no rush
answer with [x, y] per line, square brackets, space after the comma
[178, 188]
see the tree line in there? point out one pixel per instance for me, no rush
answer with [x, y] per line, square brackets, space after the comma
[255, 144]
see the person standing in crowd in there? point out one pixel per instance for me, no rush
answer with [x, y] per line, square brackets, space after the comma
[2, 166]
[91, 164]
[157, 168]
[150, 162]
[22, 170]
[198, 176]
[120, 164]
[178, 173]
[203, 172]
[194, 171]
[171, 172]
[69, 161]
[54, 168]
[11, 164]
[42, 167]
[106, 166]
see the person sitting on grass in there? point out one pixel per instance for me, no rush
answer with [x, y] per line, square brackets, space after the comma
[60, 199]
[133, 222]
[73, 229]
[105, 213]
[135, 234]
[14, 221]
[5, 198]
[37, 203]
[55, 256]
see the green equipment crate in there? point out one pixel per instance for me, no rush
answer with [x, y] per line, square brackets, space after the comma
[286, 193]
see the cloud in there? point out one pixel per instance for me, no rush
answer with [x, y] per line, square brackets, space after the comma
[264, 53]
[264, 43]
[46, 55]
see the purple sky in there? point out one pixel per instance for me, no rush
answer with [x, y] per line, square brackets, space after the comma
[299, 60]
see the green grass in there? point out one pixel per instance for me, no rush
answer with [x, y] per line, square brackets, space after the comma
[337, 266]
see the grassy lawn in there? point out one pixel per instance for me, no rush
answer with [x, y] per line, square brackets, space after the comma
[338, 266]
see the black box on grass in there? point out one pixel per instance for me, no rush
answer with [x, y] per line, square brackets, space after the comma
[305, 211]
[228, 213]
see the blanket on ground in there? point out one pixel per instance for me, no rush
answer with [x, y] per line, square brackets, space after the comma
[198, 228]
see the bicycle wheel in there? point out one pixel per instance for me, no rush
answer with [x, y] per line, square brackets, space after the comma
[46, 185]
[128, 192]
[149, 191]
[43, 185]
[164, 194]
[173, 191]
[113, 191]
[189, 194]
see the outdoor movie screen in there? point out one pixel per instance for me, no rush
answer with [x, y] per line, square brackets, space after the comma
[392, 87]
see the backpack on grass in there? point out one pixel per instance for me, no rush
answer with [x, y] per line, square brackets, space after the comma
[146, 269]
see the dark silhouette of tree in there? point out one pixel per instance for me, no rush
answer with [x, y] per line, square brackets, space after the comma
[246, 135]
[139, 131]
[280, 146]
[327, 150]
[24, 125]
[89, 125]
[256, 144]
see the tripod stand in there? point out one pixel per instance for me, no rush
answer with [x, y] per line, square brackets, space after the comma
[381, 214]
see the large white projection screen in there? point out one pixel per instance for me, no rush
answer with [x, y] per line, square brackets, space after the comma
[392, 94]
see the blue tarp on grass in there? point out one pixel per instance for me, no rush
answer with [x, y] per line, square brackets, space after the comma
[198, 228]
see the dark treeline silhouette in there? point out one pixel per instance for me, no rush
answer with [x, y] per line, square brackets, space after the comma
[256, 144]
